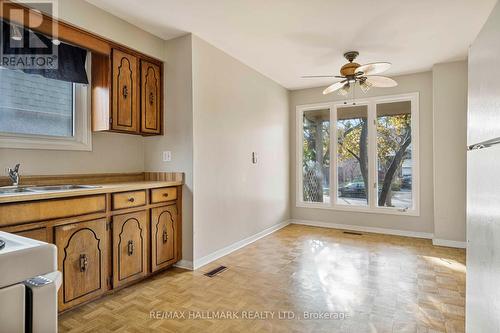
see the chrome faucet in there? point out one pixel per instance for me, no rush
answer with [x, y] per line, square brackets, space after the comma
[14, 175]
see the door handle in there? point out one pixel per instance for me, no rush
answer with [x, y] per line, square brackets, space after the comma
[151, 98]
[84, 262]
[165, 236]
[125, 91]
[130, 247]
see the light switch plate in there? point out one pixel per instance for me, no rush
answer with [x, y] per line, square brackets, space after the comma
[167, 156]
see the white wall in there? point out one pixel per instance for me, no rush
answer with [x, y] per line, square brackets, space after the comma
[421, 83]
[104, 157]
[450, 153]
[236, 111]
[178, 128]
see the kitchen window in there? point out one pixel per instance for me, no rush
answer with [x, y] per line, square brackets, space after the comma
[41, 113]
[360, 156]
[43, 107]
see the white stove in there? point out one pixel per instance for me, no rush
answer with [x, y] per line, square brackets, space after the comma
[29, 281]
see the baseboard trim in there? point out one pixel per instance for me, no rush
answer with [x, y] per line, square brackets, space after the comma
[449, 243]
[186, 264]
[238, 245]
[375, 230]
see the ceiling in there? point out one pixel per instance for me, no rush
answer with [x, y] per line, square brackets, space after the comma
[284, 39]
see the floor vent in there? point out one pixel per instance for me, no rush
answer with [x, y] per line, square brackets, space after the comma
[216, 271]
[353, 233]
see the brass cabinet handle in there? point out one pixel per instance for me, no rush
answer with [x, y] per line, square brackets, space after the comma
[84, 262]
[125, 92]
[130, 247]
[165, 236]
[131, 199]
[151, 98]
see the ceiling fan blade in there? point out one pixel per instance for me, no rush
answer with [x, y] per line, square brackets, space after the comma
[315, 76]
[333, 87]
[373, 68]
[381, 81]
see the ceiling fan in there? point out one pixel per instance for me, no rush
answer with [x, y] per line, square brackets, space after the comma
[352, 73]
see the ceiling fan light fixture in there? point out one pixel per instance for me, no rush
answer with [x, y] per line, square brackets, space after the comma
[365, 86]
[344, 90]
[353, 73]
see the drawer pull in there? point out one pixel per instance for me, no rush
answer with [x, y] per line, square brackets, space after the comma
[165, 195]
[165, 236]
[131, 199]
[84, 262]
[130, 247]
[151, 98]
[125, 92]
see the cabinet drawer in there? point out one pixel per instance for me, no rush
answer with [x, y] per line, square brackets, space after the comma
[38, 234]
[163, 194]
[129, 199]
[32, 211]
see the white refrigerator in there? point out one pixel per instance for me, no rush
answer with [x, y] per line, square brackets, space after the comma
[483, 180]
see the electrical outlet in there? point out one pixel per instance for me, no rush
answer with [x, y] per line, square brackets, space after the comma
[167, 156]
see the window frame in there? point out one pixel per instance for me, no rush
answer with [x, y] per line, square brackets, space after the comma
[371, 103]
[82, 134]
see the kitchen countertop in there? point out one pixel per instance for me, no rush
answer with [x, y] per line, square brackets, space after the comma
[103, 188]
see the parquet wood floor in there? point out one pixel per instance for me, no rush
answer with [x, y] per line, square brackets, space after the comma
[379, 283]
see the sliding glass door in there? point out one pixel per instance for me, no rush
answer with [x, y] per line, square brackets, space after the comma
[374, 167]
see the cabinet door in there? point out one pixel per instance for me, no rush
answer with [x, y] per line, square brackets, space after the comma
[82, 252]
[163, 236]
[125, 114]
[130, 237]
[151, 103]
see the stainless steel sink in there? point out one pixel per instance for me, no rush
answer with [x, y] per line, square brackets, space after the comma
[60, 188]
[13, 189]
[50, 188]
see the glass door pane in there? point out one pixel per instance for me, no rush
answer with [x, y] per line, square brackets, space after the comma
[316, 156]
[352, 155]
[394, 155]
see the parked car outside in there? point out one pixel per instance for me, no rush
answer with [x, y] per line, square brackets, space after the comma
[406, 182]
[353, 190]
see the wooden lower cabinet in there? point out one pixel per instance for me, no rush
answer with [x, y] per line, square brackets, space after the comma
[164, 226]
[130, 247]
[38, 234]
[82, 252]
[103, 241]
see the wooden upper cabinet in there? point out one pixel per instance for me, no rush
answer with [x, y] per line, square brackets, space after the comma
[151, 102]
[130, 245]
[125, 97]
[82, 254]
[127, 93]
